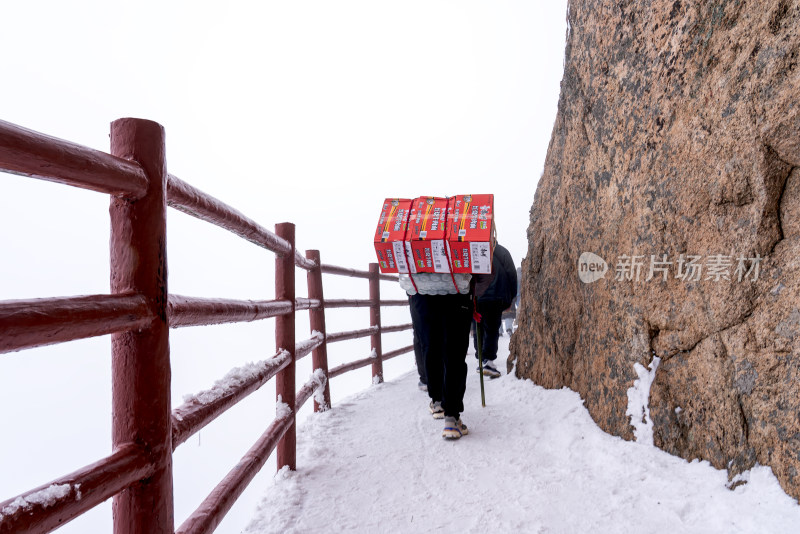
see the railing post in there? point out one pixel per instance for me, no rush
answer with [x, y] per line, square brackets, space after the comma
[375, 320]
[319, 356]
[284, 340]
[140, 359]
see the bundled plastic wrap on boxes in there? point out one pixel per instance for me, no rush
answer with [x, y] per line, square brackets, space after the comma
[436, 283]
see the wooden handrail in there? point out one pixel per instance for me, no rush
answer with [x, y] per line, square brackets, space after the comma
[193, 311]
[201, 409]
[401, 302]
[354, 273]
[351, 334]
[192, 201]
[396, 328]
[343, 271]
[361, 303]
[208, 516]
[348, 303]
[306, 304]
[138, 315]
[304, 348]
[317, 380]
[345, 367]
[303, 263]
[82, 490]
[41, 156]
[398, 352]
[39, 322]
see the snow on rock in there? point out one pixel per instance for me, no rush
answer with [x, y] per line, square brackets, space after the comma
[639, 402]
[233, 379]
[46, 497]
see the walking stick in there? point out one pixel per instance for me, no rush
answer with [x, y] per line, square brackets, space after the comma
[477, 317]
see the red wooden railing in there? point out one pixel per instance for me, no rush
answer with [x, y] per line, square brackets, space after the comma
[138, 314]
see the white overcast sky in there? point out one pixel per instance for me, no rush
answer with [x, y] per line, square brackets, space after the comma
[305, 111]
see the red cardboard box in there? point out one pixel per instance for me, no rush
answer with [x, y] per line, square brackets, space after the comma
[472, 233]
[428, 234]
[390, 237]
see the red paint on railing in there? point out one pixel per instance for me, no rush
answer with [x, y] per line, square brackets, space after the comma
[38, 322]
[306, 304]
[194, 202]
[398, 352]
[140, 358]
[354, 273]
[284, 340]
[350, 334]
[33, 154]
[306, 347]
[375, 322]
[194, 311]
[88, 487]
[397, 328]
[363, 303]
[319, 357]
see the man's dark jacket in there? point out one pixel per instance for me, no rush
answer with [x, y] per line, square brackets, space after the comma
[503, 286]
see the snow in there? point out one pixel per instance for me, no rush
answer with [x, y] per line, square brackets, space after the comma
[316, 338]
[46, 497]
[533, 461]
[282, 409]
[319, 378]
[233, 379]
[639, 402]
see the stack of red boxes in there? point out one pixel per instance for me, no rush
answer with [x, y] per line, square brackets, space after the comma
[436, 235]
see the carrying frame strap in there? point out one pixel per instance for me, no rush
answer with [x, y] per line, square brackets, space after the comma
[405, 250]
[446, 245]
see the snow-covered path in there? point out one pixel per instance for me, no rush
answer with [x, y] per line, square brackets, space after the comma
[533, 462]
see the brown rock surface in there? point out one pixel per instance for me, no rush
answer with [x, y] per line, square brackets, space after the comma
[678, 132]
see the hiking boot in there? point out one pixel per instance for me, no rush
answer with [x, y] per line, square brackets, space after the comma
[454, 429]
[489, 369]
[436, 409]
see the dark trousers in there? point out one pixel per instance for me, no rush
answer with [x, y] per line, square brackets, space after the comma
[441, 323]
[491, 312]
[418, 356]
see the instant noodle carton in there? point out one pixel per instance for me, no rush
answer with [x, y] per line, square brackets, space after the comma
[471, 233]
[391, 245]
[428, 234]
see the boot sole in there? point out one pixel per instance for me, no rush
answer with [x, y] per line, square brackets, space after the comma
[454, 434]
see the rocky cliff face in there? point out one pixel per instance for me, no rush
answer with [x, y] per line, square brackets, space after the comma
[675, 157]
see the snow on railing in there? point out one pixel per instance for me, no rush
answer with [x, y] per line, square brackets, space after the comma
[46, 497]
[303, 348]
